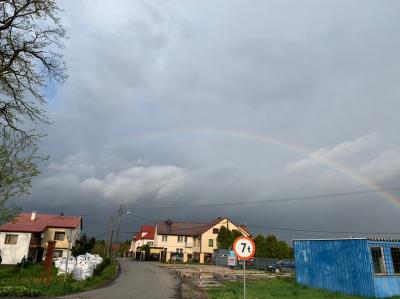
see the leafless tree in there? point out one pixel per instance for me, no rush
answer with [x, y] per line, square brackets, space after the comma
[31, 36]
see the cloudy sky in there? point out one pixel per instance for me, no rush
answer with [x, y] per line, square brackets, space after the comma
[182, 103]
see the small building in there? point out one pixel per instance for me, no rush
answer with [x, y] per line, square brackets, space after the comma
[27, 236]
[144, 237]
[356, 266]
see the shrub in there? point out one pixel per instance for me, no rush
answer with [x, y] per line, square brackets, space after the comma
[101, 266]
[18, 291]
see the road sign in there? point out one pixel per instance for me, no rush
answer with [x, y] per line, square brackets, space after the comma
[244, 248]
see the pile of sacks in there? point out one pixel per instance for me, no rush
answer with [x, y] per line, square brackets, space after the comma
[80, 267]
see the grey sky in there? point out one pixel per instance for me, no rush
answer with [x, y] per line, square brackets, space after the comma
[176, 102]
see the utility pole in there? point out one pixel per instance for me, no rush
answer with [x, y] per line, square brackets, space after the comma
[108, 244]
[120, 212]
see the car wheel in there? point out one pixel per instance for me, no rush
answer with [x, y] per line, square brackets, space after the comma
[277, 270]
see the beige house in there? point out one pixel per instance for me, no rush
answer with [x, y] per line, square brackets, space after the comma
[27, 236]
[187, 240]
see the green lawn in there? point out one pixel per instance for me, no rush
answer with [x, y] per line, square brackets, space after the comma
[274, 288]
[30, 279]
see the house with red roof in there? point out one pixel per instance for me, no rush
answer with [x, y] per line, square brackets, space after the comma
[191, 241]
[142, 237]
[28, 234]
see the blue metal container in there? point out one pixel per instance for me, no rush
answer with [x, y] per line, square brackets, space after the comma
[347, 266]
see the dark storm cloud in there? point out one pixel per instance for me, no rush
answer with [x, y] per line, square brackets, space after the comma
[155, 84]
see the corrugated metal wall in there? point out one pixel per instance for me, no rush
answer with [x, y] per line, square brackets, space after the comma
[335, 265]
[386, 285]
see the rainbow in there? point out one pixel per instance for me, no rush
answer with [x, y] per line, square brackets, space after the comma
[332, 163]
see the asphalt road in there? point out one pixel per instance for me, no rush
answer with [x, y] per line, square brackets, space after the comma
[138, 280]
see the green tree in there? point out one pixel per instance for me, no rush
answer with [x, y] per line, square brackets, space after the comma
[124, 248]
[30, 32]
[272, 246]
[99, 248]
[146, 249]
[83, 245]
[277, 248]
[236, 234]
[224, 238]
[283, 250]
[261, 246]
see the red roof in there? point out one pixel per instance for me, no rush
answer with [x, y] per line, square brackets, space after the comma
[23, 223]
[189, 228]
[147, 231]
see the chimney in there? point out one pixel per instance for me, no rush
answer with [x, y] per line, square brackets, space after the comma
[33, 216]
[169, 222]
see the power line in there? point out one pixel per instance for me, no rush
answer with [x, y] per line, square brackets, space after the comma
[288, 229]
[275, 200]
[321, 231]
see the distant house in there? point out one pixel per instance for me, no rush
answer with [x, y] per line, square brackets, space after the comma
[143, 237]
[363, 267]
[27, 236]
[188, 240]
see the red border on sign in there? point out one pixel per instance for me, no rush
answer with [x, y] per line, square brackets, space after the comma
[251, 254]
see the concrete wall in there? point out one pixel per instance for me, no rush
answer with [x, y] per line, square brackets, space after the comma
[335, 265]
[13, 253]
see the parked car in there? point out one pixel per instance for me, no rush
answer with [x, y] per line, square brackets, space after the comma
[282, 266]
[249, 262]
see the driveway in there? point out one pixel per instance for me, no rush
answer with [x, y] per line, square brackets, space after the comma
[137, 280]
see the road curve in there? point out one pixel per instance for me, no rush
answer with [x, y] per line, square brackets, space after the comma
[139, 280]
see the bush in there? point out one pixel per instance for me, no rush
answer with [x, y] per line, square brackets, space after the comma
[106, 261]
[18, 291]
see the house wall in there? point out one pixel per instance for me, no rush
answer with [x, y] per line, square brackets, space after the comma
[141, 242]
[205, 248]
[172, 244]
[385, 285]
[13, 253]
[60, 245]
[335, 265]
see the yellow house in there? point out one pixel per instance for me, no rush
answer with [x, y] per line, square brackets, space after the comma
[28, 234]
[188, 240]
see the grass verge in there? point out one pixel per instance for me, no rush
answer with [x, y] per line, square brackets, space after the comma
[28, 281]
[274, 288]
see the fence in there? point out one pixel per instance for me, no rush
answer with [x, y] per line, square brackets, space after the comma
[220, 258]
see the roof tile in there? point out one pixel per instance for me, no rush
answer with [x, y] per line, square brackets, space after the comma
[23, 222]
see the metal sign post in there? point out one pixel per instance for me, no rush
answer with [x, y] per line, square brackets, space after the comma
[244, 279]
[244, 249]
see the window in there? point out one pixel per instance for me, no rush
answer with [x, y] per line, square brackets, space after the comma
[164, 238]
[215, 230]
[185, 239]
[59, 236]
[210, 243]
[395, 251]
[179, 250]
[57, 253]
[378, 260]
[11, 239]
[150, 243]
[180, 239]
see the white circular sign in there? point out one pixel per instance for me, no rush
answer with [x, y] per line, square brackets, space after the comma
[244, 248]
